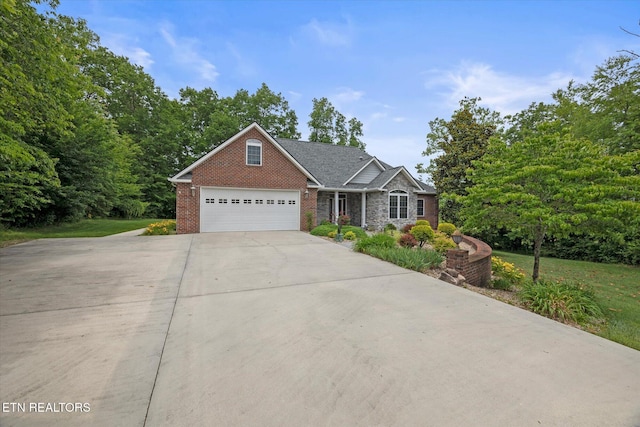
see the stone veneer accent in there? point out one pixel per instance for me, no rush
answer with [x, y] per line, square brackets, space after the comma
[378, 204]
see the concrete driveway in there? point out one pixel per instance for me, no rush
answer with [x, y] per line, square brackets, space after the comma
[282, 329]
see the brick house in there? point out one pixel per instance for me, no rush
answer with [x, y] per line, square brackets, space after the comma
[256, 182]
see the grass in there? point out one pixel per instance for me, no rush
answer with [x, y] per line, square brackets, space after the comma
[82, 228]
[616, 288]
[413, 259]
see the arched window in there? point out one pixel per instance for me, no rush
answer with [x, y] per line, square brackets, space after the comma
[398, 200]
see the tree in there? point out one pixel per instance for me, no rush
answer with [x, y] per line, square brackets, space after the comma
[606, 109]
[271, 111]
[355, 133]
[321, 124]
[459, 141]
[552, 184]
[27, 179]
[329, 126]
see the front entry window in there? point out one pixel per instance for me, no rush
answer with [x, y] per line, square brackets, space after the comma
[398, 204]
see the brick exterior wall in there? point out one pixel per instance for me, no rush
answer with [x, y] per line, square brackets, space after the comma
[228, 168]
[430, 210]
[476, 268]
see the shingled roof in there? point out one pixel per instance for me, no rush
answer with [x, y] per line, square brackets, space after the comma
[334, 165]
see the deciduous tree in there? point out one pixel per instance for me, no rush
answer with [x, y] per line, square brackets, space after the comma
[457, 142]
[552, 184]
[330, 126]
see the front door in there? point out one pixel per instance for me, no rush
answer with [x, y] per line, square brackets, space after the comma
[342, 206]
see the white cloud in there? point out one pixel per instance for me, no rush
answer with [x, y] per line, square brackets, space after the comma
[329, 33]
[244, 66]
[294, 95]
[501, 91]
[346, 95]
[125, 46]
[141, 57]
[399, 119]
[185, 52]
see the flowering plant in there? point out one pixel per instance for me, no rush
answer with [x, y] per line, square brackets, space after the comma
[505, 274]
[343, 219]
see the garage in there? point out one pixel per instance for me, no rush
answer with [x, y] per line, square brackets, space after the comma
[239, 209]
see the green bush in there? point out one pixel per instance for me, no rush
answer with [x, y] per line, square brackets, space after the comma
[165, 227]
[422, 233]
[325, 222]
[325, 229]
[130, 208]
[418, 260]
[441, 242]
[350, 235]
[390, 227]
[332, 234]
[423, 222]
[381, 240]
[446, 228]
[562, 301]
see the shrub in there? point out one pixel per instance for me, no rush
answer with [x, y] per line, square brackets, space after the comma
[407, 241]
[324, 230]
[332, 234]
[441, 242]
[422, 233]
[168, 226]
[505, 274]
[561, 301]
[130, 208]
[412, 259]
[350, 235]
[390, 227]
[423, 222]
[381, 240]
[309, 218]
[446, 228]
[407, 228]
[325, 222]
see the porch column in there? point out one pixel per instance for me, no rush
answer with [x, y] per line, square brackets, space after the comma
[363, 215]
[336, 206]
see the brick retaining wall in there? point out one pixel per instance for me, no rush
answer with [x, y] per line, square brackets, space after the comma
[476, 268]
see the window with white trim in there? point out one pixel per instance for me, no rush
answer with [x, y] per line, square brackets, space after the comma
[398, 204]
[420, 211]
[254, 152]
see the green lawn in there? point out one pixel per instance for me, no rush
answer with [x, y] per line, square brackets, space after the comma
[617, 289]
[83, 228]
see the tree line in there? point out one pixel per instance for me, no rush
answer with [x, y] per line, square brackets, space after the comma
[560, 178]
[86, 133]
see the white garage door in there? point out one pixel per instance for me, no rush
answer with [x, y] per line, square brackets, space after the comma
[227, 209]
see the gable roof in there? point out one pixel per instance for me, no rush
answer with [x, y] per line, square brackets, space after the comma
[185, 174]
[325, 165]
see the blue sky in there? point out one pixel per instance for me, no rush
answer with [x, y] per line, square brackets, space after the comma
[393, 65]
